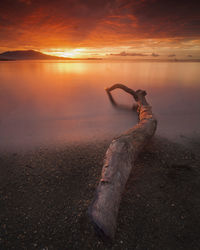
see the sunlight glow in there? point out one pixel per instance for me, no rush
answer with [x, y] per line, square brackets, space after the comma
[152, 49]
[71, 53]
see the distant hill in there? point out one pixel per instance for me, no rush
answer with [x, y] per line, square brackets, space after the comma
[34, 55]
[28, 55]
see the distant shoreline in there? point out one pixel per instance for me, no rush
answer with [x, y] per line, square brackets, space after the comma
[63, 59]
[21, 55]
[102, 59]
[5, 59]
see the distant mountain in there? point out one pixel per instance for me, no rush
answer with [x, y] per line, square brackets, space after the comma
[28, 55]
[34, 55]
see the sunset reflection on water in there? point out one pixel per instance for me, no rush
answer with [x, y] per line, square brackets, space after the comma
[53, 102]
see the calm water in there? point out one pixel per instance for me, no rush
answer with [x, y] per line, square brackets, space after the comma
[63, 102]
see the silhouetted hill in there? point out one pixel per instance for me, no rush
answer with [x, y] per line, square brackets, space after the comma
[34, 55]
[28, 55]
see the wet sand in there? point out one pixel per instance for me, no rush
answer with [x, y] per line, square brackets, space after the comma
[45, 194]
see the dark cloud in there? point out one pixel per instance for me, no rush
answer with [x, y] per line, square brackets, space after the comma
[167, 18]
[171, 55]
[25, 1]
[63, 23]
[189, 55]
[50, 23]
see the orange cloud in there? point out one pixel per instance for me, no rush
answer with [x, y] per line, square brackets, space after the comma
[106, 23]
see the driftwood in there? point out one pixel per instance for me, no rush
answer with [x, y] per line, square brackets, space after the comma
[118, 162]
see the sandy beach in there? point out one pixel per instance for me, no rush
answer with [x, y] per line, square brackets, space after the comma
[45, 194]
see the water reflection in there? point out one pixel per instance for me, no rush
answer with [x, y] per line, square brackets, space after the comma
[52, 102]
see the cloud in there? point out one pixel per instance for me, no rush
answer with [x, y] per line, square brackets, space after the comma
[189, 55]
[89, 23]
[25, 1]
[167, 18]
[171, 55]
[123, 53]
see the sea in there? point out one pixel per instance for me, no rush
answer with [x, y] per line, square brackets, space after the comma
[46, 103]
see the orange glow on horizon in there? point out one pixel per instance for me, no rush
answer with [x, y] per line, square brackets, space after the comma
[140, 49]
[71, 53]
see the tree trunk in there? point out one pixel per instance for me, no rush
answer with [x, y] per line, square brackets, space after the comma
[118, 162]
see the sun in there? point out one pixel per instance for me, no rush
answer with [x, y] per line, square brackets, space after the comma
[71, 53]
[68, 54]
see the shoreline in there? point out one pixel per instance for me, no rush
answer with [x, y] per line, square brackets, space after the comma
[45, 194]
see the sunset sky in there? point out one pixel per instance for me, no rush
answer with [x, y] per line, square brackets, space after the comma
[102, 28]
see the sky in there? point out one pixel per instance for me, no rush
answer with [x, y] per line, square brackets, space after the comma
[102, 28]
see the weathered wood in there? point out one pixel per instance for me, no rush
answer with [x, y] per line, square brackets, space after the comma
[118, 162]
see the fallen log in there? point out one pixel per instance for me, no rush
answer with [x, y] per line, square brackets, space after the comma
[118, 162]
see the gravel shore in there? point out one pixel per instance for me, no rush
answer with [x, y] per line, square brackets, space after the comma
[45, 194]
